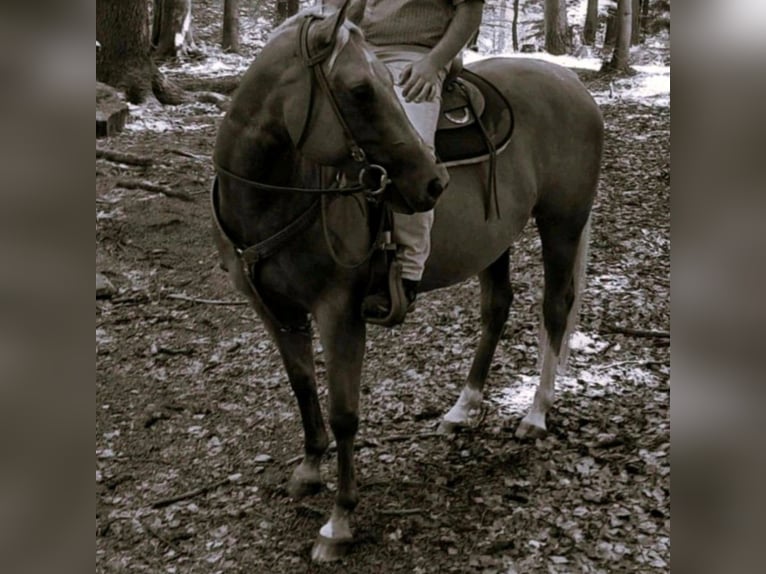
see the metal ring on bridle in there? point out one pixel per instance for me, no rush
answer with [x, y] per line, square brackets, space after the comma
[377, 171]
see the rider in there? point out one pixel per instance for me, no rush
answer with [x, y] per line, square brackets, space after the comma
[417, 41]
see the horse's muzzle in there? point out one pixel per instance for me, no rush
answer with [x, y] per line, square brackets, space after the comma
[435, 188]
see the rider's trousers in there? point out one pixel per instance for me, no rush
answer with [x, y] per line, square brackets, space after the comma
[413, 232]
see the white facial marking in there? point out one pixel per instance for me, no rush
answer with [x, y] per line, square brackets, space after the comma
[340, 43]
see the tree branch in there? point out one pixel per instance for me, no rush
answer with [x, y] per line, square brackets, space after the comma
[190, 494]
[636, 332]
[400, 511]
[180, 297]
[153, 187]
[121, 157]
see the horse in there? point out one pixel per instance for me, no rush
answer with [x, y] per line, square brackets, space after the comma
[295, 240]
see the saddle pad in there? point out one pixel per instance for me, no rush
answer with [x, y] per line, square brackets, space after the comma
[467, 144]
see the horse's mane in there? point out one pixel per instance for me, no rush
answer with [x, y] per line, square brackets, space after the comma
[317, 11]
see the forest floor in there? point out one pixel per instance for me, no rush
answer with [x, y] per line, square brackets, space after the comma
[191, 396]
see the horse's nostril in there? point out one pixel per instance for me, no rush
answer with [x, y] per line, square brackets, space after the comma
[435, 188]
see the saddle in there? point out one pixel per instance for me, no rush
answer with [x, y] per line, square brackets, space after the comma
[476, 120]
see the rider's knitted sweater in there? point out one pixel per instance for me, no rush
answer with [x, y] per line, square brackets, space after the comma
[407, 22]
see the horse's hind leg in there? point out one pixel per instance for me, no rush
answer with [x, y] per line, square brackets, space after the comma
[565, 242]
[298, 358]
[496, 298]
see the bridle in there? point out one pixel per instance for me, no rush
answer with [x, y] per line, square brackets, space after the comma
[372, 182]
[373, 178]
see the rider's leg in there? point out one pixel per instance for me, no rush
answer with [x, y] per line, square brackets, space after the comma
[412, 233]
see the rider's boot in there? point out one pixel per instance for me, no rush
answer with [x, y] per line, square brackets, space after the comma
[377, 304]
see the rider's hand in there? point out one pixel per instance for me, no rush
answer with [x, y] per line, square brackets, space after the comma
[419, 81]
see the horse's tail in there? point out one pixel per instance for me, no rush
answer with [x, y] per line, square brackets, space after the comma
[578, 278]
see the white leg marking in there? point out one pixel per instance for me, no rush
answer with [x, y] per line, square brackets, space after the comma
[338, 527]
[467, 406]
[535, 419]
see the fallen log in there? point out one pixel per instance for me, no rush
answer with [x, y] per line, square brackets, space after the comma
[122, 157]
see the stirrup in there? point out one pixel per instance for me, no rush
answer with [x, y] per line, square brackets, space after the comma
[399, 301]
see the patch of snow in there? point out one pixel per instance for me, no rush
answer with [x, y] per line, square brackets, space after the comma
[517, 398]
[566, 61]
[651, 85]
[584, 343]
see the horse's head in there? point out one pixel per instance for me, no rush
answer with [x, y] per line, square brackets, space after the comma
[358, 92]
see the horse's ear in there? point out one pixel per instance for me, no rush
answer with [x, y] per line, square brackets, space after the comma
[323, 33]
[355, 11]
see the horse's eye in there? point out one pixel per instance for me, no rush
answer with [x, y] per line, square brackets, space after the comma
[362, 92]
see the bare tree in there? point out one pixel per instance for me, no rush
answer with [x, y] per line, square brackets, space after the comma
[123, 60]
[286, 8]
[230, 40]
[172, 28]
[591, 23]
[635, 26]
[644, 15]
[620, 61]
[556, 27]
[515, 26]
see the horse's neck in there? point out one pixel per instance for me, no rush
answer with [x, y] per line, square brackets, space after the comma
[252, 213]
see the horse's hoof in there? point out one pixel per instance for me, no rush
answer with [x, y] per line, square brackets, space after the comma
[298, 489]
[530, 431]
[304, 481]
[448, 427]
[330, 549]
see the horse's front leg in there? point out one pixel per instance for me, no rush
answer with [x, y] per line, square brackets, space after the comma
[342, 333]
[295, 347]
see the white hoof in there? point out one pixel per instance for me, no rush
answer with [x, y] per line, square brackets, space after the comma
[330, 549]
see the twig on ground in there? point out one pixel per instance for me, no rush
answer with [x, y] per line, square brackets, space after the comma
[185, 153]
[647, 363]
[400, 511]
[169, 543]
[190, 494]
[121, 157]
[311, 509]
[636, 332]
[153, 187]
[371, 443]
[376, 442]
[403, 437]
[293, 460]
[180, 297]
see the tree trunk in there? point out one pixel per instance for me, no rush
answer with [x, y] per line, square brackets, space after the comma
[172, 29]
[644, 16]
[285, 9]
[591, 23]
[124, 60]
[635, 27]
[610, 37]
[515, 26]
[556, 27]
[230, 41]
[621, 56]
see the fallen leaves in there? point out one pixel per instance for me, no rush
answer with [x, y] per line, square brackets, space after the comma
[192, 401]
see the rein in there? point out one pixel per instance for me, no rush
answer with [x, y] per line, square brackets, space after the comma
[372, 181]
